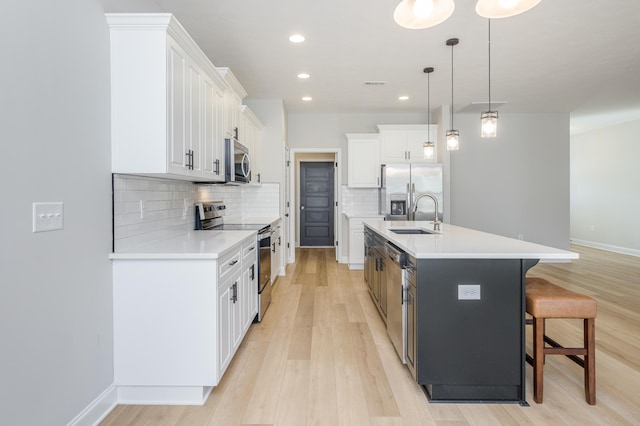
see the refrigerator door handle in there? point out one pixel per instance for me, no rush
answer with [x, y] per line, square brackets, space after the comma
[413, 199]
[408, 203]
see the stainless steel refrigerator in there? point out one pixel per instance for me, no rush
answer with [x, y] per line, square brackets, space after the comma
[403, 183]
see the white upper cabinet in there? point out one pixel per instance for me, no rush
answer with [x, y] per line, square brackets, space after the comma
[251, 133]
[363, 160]
[166, 101]
[404, 143]
[234, 95]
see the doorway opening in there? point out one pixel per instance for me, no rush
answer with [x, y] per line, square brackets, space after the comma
[314, 193]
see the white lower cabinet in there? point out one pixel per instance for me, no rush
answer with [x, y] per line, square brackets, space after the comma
[178, 323]
[276, 250]
[356, 240]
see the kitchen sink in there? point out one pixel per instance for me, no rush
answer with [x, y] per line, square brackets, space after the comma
[410, 231]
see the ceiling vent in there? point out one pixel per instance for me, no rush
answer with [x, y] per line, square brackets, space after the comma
[375, 83]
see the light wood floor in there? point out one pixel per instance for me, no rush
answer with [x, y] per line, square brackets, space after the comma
[322, 357]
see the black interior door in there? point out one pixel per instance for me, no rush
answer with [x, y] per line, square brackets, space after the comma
[316, 203]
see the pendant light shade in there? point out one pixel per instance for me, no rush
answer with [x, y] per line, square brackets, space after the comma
[453, 136]
[489, 118]
[418, 14]
[428, 147]
[489, 127]
[494, 9]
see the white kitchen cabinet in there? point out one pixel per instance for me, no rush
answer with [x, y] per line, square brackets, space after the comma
[160, 110]
[363, 160]
[404, 143]
[356, 239]
[213, 130]
[249, 289]
[251, 130]
[178, 322]
[276, 250]
[234, 95]
[229, 318]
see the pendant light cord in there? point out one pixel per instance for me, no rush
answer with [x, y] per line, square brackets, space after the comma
[489, 64]
[428, 108]
[452, 86]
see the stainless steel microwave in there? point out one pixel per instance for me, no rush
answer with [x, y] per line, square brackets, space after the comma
[237, 162]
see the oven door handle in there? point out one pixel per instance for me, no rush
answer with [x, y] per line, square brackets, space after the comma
[245, 160]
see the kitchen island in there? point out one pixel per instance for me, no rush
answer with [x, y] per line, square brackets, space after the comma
[467, 326]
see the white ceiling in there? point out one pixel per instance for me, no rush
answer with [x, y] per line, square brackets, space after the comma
[575, 56]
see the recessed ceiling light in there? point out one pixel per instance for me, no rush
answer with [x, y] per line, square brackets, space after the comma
[307, 98]
[403, 98]
[303, 75]
[296, 38]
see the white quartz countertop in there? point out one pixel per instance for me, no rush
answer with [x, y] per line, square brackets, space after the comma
[192, 245]
[363, 215]
[455, 242]
[257, 220]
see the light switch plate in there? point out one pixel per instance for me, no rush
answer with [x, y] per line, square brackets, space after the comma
[468, 291]
[47, 216]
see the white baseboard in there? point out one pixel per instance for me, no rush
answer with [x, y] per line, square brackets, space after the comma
[99, 408]
[163, 395]
[607, 247]
[356, 266]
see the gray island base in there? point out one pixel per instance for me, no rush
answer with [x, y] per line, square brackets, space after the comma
[468, 347]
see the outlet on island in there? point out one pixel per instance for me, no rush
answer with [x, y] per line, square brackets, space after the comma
[468, 291]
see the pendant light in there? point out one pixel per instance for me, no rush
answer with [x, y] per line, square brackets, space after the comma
[494, 9]
[428, 147]
[453, 136]
[418, 14]
[489, 118]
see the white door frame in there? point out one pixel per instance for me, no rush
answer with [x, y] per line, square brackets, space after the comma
[293, 197]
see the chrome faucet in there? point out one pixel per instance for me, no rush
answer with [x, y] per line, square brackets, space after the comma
[436, 222]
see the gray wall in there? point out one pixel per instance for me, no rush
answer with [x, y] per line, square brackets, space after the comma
[56, 350]
[517, 183]
[605, 188]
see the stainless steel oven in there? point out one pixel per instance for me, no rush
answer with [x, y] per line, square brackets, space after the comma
[208, 217]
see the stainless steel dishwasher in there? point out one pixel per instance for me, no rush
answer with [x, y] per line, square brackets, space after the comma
[396, 306]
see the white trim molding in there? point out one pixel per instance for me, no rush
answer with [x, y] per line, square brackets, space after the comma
[607, 247]
[98, 409]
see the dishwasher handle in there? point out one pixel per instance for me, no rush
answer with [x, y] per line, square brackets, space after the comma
[395, 254]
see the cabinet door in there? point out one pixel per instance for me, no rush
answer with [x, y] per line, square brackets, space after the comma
[236, 312]
[225, 326]
[176, 90]
[212, 131]
[193, 112]
[415, 139]
[363, 168]
[356, 247]
[274, 253]
[393, 147]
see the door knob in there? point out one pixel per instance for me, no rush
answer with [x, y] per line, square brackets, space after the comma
[301, 207]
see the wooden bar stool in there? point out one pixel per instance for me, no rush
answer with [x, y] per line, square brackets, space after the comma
[547, 300]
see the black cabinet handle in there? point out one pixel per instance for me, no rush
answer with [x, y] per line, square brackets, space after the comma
[279, 241]
[233, 263]
[217, 166]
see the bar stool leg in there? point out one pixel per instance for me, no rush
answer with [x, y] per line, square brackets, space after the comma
[538, 358]
[590, 361]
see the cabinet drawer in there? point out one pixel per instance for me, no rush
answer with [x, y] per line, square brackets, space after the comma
[229, 263]
[249, 252]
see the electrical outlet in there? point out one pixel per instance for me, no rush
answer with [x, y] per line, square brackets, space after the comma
[521, 236]
[47, 217]
[468, 291]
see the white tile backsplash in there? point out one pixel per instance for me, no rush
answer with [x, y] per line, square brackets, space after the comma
[166, 213]
[359, 200]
